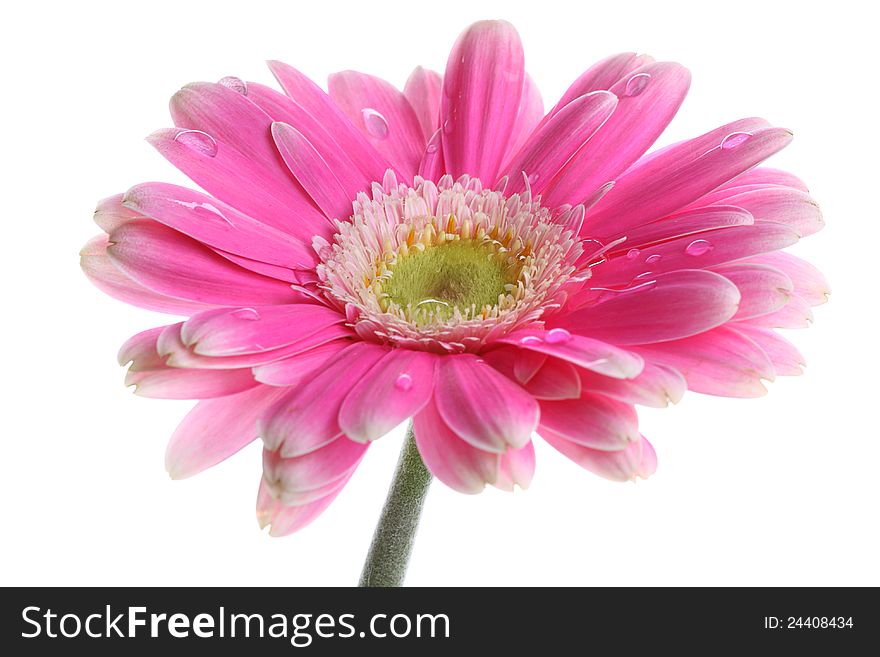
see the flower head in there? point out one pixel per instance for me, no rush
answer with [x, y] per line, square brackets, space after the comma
[455, 255]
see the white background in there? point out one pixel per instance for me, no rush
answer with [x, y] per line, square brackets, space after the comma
[779, 490]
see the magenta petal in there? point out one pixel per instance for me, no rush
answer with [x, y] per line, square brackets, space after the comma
[307, 417]
[528, 116]
[718, 362]
[594, 421]
[674, 305]
[283, 520]
[422, 90]
[786, 359]
[482, 88]
[453, 461]
[176, 383]
[763, 289]
[383, 115]
[396, 389]
[688, 222]
[215, 429]
[636, 460]
[656, 386]
[782, 205]
[584, 352]
[315, 471]
[294, 369]
[483, 406]
[517, 467]
[555, 379]
[808, 282]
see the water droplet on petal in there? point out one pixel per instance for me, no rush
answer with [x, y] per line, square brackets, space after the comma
[531, 339]
[448, 126]
[698, 248]
[651, 259]
[557, 336]
[375, 123]
[636, 84]
[734, 139]
[236, 84]
[432, 147]
[249, 314]
[632, 254]
[200, 142]
[404, 382]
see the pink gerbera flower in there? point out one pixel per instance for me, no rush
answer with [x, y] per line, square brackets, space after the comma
[452, 254]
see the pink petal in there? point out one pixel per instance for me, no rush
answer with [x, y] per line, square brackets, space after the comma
[422, 90]
[231, 332]
[718, 362]
[312, 172]
[294, 369]
[315, 471]
[517, 468]
[307, 417]
[215, 429]
[482, 89]
[396, 389]
[218, 225]
[174, 265]
[763, 289]
[705, 250]
[688, 222]
[556, 379]
[140, 350]
[518, 365]
[763, 176]
[104, 275]
[808, 282]
[786, 359]
[782, 205]
[584, 352]
[175, 383]
[453, 461]
[433, 166]
[318, 104]
[655, 386]
[482, 406]
[672, 306]
[636, 123]
[672, 180]
[383, 115]
[549, 148]
[528, 116]
[637, 460]
[594, 421]
[285, 274]
[794, 314]
[110, 213]
[285, 520]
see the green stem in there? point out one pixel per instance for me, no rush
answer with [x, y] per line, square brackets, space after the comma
[396, 530]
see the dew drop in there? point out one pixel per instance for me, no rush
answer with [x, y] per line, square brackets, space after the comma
[403, 382]
[198, 141]
[432, 147]
[698, 248]
[636, 84]
[557, 336]
[375, 123]
[734, 139]
[651, 259]
[632, 254]
[236, 84]
[249, 314]
[531, 339]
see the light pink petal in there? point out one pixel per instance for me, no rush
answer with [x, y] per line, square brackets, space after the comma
[556, 379]
[383, 115]
[422, 90]
[763, 289]
[649, 98]
[293, 370]
[688, 222]
[284, 520]
[176, 383]
[110, 213]
[318, 472]
[528, 116]
[638, 460]
[763, 176]
[656, 386]
[396, 389]
[482, 89]
[518, 365]
[671, 306]
[312, 172]
[140, 350]
[794, 314]
[433, 166]
[786, 359]
[286, 274]
[174, 265]
[218, 225]
[453, 461]
[307, 417]
[584, 352]
[517, 467]
[708, 249]
[782, 205]
[481, 405]
[594, 421]
[549, 148]
[678, 177]
[718, 362]
[104, 275]
[808, 282]
[215, 429]
[235, 331]
[318, 104]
